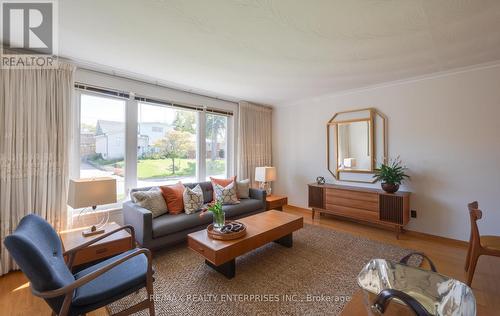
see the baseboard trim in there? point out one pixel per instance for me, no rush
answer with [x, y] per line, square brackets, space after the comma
[449, 241]
[421, 235]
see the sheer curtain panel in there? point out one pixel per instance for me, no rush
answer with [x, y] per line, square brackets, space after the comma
[254, 139]
[35, 116]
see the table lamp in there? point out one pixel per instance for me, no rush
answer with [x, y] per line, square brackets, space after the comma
[265, 175]
[91, 192]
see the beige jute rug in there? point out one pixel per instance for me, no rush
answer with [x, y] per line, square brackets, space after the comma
[316, 276]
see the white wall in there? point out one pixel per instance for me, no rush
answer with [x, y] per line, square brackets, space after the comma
[446, 129]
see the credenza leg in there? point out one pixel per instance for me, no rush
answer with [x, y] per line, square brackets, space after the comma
[228, 269]
[313, 213]
[398, 231]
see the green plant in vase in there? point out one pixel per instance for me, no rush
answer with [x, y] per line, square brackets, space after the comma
[391, 175]
[218, 214]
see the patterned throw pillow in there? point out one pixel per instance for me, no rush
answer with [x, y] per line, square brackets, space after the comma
[151, 200]
[227, 195]
[193, 199]
[222, 182]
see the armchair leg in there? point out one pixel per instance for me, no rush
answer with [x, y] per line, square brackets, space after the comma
[149, 284]
[66, 304]
[467, 259]
[149, 289]
[472, 267]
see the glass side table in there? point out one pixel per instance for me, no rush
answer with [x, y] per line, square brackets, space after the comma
[413, 290]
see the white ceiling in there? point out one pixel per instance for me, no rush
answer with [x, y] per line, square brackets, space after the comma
[274, 52]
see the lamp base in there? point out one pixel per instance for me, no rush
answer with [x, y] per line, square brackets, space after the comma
[92, 231]
[266, 186]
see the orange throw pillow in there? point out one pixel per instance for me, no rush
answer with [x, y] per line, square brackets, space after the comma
[173, 196]
[221, 182]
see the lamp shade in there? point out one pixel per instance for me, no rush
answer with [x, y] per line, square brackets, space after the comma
[91, 192]
[265, 174]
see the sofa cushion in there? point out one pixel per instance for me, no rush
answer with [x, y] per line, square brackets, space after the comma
[132, 191]
[226, 195]
[207, 189]
[193, 199]
[151, 200]
[245, 206]
[222, 182]
[173, 197]
[243, 188]
[168, 224]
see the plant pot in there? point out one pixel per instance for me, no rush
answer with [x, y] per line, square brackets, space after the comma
[390, 187]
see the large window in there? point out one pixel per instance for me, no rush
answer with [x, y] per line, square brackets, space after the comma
[216, 145]
[142, 142]
[166, 145]
[102, 139]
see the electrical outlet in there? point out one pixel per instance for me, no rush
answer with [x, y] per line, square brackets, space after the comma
[414, 213]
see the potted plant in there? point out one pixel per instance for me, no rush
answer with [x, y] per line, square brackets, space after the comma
[391, 175]
[218, 214]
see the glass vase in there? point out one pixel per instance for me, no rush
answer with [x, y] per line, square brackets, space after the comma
[219, 220]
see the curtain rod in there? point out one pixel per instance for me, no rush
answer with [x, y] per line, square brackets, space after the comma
[151, 82]
[141, 98]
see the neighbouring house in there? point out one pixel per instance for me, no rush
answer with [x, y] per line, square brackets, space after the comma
[87, 144]
[154, 131]
[110, 137]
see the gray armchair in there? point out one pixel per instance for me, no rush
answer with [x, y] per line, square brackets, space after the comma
[37, 249]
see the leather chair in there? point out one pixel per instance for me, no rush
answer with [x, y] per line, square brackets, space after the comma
[37, 249]
[478, 245]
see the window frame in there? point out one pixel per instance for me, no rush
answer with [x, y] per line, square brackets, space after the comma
[131, 127]
[227, 145]
[138, 103]
[75, 151]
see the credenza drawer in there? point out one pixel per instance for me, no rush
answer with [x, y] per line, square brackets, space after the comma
[352, 212]
[365, 205]
[352, 195]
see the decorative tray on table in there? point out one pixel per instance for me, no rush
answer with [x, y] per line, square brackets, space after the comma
[231, 230]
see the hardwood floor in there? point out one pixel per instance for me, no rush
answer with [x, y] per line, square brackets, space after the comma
[448, 255]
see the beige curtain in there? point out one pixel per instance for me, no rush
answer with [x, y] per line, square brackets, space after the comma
[35, 116]
[254, 139]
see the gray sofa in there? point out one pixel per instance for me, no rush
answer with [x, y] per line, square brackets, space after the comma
[166, 230]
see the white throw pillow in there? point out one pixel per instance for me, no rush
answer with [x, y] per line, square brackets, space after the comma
[193, 199]
[151, 200]
[243, 187]
[227, 195]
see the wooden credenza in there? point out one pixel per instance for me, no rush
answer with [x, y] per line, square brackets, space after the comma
[361, 204]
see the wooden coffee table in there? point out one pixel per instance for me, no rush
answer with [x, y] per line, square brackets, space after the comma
[262, 228]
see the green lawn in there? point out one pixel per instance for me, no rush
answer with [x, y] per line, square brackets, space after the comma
[162, 168]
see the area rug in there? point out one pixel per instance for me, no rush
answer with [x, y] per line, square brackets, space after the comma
[317, 276]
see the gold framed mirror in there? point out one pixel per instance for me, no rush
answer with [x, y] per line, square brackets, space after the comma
[356, 144]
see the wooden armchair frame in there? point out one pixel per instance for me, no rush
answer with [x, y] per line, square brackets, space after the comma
[476, 249]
